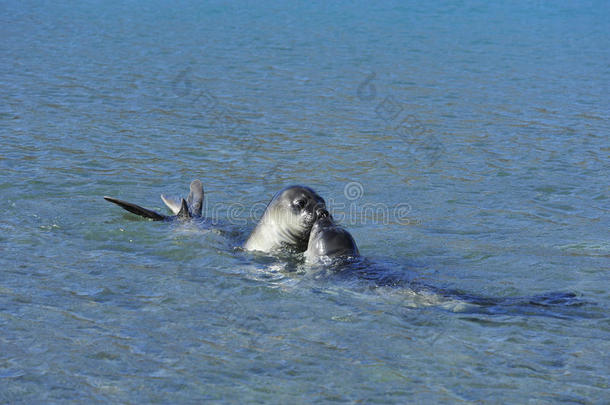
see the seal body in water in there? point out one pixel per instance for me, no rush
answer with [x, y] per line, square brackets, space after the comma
[329, 241]
[287, 221]
[189, 208]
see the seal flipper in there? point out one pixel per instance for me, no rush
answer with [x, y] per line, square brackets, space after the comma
[195, 198]
[173, 205]
[184, 212]
[136, 209]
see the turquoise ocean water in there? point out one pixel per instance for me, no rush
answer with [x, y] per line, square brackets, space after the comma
[464, 144]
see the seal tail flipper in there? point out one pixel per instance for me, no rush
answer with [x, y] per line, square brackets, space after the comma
[551, 299]
[195, 198]
[136, 209]
[173, 205]
[184, 212]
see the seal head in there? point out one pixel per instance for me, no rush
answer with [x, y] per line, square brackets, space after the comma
[328, 240]
[287, 221]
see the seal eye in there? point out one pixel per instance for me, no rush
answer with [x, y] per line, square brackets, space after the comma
[300, 203]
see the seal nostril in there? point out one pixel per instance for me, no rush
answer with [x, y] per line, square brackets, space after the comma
[322, 213]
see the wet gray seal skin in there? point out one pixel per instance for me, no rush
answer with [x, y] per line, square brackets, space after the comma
[329, 241]
[185, 209]
[287, 221]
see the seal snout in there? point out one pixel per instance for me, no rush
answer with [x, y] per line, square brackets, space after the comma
[322, 213]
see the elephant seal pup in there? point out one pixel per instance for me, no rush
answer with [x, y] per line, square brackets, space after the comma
[287, 221]
[329, 241]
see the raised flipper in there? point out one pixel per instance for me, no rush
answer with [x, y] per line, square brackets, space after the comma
[184, 212]
[195, 198]
[173, 205]
[136, 209]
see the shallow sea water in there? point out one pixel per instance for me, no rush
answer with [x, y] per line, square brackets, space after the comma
[464, 145]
